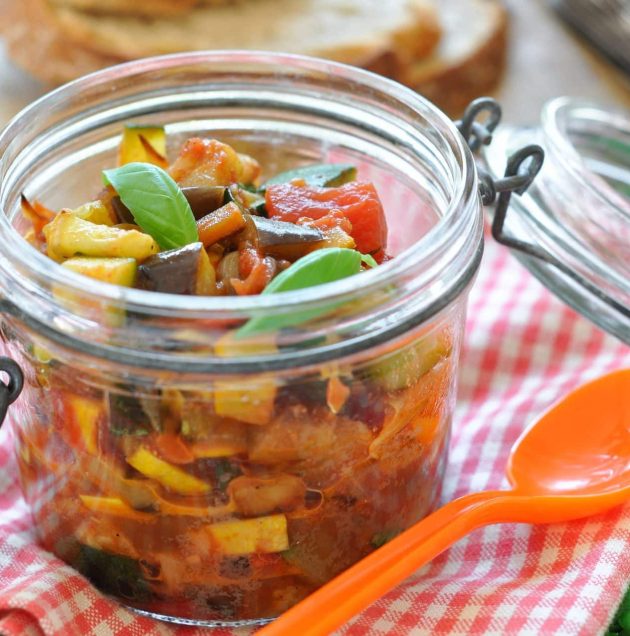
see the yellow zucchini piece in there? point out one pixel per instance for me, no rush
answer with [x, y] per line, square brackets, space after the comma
[406, 366]
[132, 149]
[251, 403]
[250, 536]
[250, 400]
[83, 418]
[68, 235]
[115, 507]
[95, 212]
[171, 477]
[117, 271]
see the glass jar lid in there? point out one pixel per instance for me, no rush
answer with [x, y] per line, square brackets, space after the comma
[572, 227]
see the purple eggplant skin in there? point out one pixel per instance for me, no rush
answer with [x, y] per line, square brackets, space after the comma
[185, 270]
[122, 212]
[202, 201]
[284, 240]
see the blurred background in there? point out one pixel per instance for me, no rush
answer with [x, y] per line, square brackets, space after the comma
[522, 51]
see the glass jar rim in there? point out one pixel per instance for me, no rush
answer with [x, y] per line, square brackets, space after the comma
[556, 115]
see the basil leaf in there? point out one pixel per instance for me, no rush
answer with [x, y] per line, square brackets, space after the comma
[317, 268]
[156, 202]
[317, 175]
[368, 259]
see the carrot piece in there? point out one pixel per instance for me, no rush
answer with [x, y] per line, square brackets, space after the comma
[38, 215]
[171, 448]
[220, 224]
[257, 280]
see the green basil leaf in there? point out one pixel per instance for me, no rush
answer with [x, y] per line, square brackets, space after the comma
[317, 175]
[317, 268]
[368, 259]
[156, 202]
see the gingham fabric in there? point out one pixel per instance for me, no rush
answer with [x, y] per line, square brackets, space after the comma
[524, 349]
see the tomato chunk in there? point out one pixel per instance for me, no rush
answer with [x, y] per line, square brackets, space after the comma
[357, 201]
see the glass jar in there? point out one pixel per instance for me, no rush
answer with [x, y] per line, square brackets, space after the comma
[572, 228]
[196, 477]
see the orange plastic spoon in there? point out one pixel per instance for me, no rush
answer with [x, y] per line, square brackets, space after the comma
[573, 462]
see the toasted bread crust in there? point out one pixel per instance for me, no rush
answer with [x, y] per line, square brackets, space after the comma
[141, 8]
[453, 78]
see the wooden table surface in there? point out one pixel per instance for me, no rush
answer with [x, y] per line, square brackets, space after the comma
[546, 60]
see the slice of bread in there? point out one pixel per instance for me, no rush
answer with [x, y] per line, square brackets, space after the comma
[470, 58]
[351, 31]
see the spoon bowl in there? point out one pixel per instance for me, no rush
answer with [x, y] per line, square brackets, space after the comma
[580, 446]
[573, 462]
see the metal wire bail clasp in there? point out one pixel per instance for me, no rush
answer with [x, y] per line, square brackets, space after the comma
[10, 390]
[522, 166]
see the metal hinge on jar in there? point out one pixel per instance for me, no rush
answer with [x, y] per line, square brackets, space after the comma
[9, 391]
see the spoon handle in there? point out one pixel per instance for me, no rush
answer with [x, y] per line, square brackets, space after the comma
[362, 584]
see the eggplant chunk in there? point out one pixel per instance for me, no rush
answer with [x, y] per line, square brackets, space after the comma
[185, 270]
[285, 240]
[122, 212]
[202, 201]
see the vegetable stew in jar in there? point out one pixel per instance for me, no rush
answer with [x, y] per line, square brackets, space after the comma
[239, 312]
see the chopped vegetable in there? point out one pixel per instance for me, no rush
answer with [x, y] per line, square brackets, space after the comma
[255, 496]
[406, 365]
[358, 202]
[68, 235]
[250, 401]
[171, 477]
[116, 271]
[205, 199]
[220, 224]
[156, 202]
[127, 416]
[173, 449]
[337, 394]
[318, 175]
[95, 212]
[113, 573]
[116, 507]
[83, 416]
[186, 270]
[145, 144]
[208, 162]
[284, 240]
[251, 536]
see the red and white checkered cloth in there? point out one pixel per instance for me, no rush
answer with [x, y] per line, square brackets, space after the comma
[524, 349]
